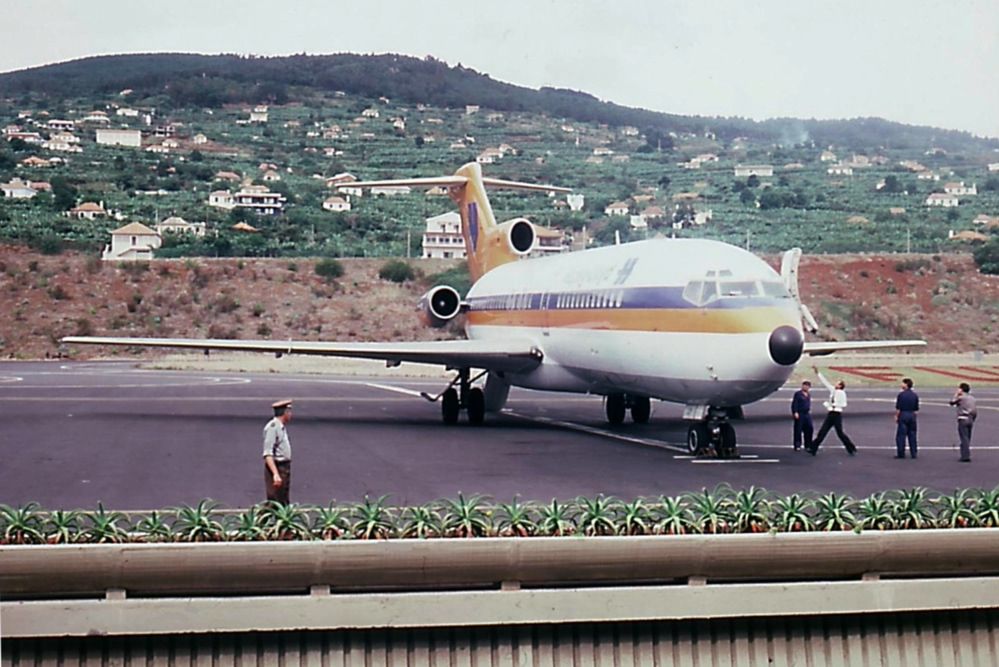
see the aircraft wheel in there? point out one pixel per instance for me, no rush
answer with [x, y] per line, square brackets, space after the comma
[615, 408]
[450, 406]
[641, 409]
[726, 445]
[476, 406]
[697, 438]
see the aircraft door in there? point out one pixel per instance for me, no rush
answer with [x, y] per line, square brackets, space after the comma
[545, 302]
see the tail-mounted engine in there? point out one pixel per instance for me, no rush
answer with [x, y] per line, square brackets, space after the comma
[519, 234]
[439, 306]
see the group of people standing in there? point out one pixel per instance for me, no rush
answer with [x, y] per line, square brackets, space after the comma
[906, 408]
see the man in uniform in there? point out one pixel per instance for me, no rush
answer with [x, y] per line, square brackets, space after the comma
[906, 407]
[967, 412]
[801, 411]
[277, 454]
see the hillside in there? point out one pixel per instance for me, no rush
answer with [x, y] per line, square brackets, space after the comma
[941, 298]
[193, 80]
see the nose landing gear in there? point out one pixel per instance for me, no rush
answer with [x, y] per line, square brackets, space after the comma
[710, 430]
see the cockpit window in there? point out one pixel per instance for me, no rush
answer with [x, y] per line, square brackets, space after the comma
[775, 290]
[700, 292]
[738, 288]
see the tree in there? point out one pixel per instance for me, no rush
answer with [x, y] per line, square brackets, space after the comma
[747, 197]
[64, 194]
[664, 182]
[753, 181]
[987, 256]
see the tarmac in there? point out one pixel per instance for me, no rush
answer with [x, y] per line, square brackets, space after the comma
[82, 433]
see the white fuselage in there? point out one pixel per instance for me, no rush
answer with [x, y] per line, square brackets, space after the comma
[682, 320]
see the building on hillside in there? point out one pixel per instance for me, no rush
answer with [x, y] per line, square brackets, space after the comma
[230, 176]
[259, 199]
[389, 190]
[61, 125]
[132, 242]
[617, 208]
[270, 176]
[178, 225]
[127, 112]
[259, 114]
[547, 242]
[602, 150]
[244, 227]
[489, 156]
[638, 222]
[827, 156]
[927, 175]
[961, 189]
[575, 200]
[758, 170]
[968, 236]
[26, 137]
[437, 191]
[18, 189]
[99, 117]
[336, 204]
[88, 210]
[370, 113]
[942, 199]
[222, 199]
[471, 109]
[840, 170]
[993, 166]
[35, 161]
[199, 139]
[442, 237]
[112, 137]
[62, 145]
[985, 219]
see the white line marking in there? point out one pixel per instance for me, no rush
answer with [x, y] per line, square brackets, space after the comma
[598, 432]
[10, 379]
[389, 387]
[735, 461]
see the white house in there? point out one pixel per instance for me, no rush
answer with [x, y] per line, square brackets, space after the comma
[602, 150]
[259, 114]
[270, 176]
[132, 242]
[758, 170]
[259, 199]
[127, 112]
[88, 210]
[616, 208]
[927, 175]
[442, 237]
[942, 199]
[471, 108]
[961, 189]
[337, 204]
[840, 170]
[111, 137]
[547, 242]
[827, 156]
[575, 201]
[994, 166]
[489, 156]
[17, 189]
[177, 225]
[199, 139]
[370, 113]
[61, 125]
[61, 145]
[221, 199]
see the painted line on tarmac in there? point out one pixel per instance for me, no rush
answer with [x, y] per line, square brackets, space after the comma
[10, 379]
[389, 387]
[214, 381]
[742, 460]
[658, 444]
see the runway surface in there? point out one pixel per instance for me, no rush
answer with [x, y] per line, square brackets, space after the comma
[76, 434]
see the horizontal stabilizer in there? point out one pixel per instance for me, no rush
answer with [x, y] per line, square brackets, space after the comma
[429, 182]
[518, 185]
[818, 349]
[509, 355]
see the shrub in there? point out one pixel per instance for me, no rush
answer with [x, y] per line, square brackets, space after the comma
[58, 292]
[330, 269]
[397, 271]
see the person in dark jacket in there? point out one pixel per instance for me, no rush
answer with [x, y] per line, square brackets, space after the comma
[801, 411]
[906, 407]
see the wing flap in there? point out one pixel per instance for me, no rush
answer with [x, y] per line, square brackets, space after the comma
[818, 349]
[513, 356]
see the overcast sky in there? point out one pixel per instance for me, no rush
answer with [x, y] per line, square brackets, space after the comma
[926, 62]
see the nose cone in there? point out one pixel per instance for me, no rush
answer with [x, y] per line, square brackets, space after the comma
[786, 344]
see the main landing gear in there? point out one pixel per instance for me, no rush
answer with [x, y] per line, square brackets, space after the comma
[618, 404]
[461, 395]
[710, 430]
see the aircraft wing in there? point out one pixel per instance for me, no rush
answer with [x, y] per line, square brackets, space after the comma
[818, 349]
[513, 355]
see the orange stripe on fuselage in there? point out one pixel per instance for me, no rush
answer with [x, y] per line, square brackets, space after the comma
[686, 320]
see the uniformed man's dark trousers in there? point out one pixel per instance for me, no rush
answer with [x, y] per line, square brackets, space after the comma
[803, 427]
[282, 493]
[906, 431]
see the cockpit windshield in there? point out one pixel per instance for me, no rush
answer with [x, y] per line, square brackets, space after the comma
[720, 285]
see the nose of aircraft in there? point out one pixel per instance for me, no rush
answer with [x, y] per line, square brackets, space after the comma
[786, 344]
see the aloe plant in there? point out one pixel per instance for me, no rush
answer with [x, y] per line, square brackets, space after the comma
[750, 511]
[673, 517]
[372, 520]
[516, 519]
[636, 518]
[22, 525]
[62, 527]
[912, 509]
[331, 522]
[987, 508]
[793, 513]
[597, 516]
[105, 526]
[875, 512]
[710, 511]
[154, 528]
[422, 522]
[556, 520]
[957, 510]
[198, 523]
[249, 525]
[287, 522]
[466, 517]
[834, 511]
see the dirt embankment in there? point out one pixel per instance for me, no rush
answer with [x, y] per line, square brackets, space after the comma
[42, 298]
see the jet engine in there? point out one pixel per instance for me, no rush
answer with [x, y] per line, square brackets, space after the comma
[439, 306]
[520, 235]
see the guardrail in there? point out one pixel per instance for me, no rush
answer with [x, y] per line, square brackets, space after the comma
[34, 572]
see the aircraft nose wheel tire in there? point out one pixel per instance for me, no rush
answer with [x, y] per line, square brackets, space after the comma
[697, 439]
[641, 409]
[476, 406]
[450, 406]
[616, 408]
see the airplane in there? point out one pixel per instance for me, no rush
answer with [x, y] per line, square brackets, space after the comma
[697, 322]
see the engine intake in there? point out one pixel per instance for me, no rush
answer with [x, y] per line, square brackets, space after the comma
[439, 305]
[520, 235]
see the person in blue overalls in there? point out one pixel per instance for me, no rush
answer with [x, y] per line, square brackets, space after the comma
[906, 407]
[801, 411]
